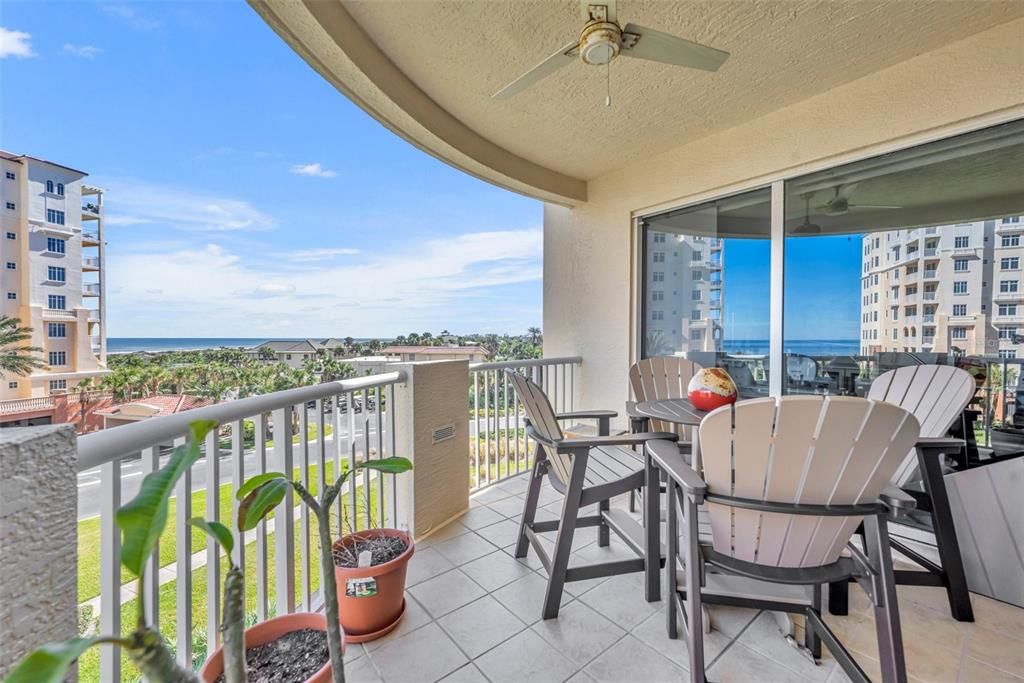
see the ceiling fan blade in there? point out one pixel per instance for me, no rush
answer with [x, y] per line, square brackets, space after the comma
[564, 56]
[664, 47]
[872, 206]
[610, 12]
[846, 191]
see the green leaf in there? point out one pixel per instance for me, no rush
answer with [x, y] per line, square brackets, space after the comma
[50, 663]
[200, 428]
[217, 531]
[255, 482]
[394, 465]
[260, 502]
[143, 518]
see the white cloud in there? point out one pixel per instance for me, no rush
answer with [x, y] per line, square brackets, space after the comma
[15, 44]
[81, 51]
[439, 282]
[315, 170]
[129, 202]
[131, 16]
[311, 255]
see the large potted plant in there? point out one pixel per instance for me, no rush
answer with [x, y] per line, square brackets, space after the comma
[270, 488]
[141, 522]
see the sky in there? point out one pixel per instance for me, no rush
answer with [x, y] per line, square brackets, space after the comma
[245, 196]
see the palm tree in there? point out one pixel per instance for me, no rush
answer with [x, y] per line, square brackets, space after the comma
[16, 358]
[85, 389]
[534, 333]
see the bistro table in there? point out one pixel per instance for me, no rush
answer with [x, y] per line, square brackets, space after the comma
[675, 410]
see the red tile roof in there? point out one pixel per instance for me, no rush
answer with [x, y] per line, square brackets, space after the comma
[395, 350]
[167, 404]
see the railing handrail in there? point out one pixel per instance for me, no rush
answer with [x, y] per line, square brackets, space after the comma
[14, 405]
[100, 447]
[529, 363]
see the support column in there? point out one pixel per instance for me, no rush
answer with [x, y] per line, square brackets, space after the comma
[38, 540]
[432, 430]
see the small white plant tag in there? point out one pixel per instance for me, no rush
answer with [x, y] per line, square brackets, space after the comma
[365, 558]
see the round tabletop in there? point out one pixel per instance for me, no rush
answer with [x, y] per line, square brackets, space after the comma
[675, 410]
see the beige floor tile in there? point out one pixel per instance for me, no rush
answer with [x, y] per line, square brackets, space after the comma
[426, 654]
[449, 530]
[621, 600]
[479, 517]
[579, 633]
[491, 494]
[362, 671]
[480, 625]
[446, 592]
[631, 660]
[995, 649]
[502, 533]
[415, 617]
[467, 674]
[495, 570]
[980, 672]
[740, 664]
[525, 597]
[652, 632]
[426, 563]
[465, 548]
[998, 616]
[525, 657]
[765, 637]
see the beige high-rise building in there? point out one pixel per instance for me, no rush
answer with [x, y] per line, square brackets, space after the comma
[943, 289]
[685, 301]
[53, 275]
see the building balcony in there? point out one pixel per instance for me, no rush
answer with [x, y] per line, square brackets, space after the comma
[931, 231]
[928, 340]
[1008, 296]
[929, 296]
[91, 263]
[928, 318]
[713, 264]
[931, 274]
[25, 405]
[91, 289]
[90, 212]
[1009, 227]
[90, 239]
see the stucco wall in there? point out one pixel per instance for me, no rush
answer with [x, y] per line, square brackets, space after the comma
[38, 577]
[588, 250]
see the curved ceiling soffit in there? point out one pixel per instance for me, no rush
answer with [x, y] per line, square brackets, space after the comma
[370, 79]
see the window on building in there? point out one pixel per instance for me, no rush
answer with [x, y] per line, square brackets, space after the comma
[11, 206]
[57, 302]
[58, 384]
[697, 255]
[12, 235]
[697, 276]
[657, 276]
[1007, 309]
[12, 385]
[57, 330]
[54, 216]
[659, 257]
[56, 274]
[1011, 263]
[58, 358]
[1007, 332]
[695, 315]
[55, 245]
[49, 186]
[696, 335]
[659, 237]
[1010, 241]
[10, 176]
[1011, 219]
[959, 310]
[962, 241]
[657, 295]
[961, 265]
[1008, 286]
[60, 189]
[695, 295]
[958, 332]
[12, 295]
[11, 265]
[960, 287]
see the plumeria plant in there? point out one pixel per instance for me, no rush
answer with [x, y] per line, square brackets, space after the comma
[141, 522]
[265, 491]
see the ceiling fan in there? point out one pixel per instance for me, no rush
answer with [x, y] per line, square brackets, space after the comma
[840, 203]
[602, 39]
[807, 227]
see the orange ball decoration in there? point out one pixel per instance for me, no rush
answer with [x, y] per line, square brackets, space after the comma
[711, 388]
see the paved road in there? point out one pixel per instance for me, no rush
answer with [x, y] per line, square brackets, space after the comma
[89, 480]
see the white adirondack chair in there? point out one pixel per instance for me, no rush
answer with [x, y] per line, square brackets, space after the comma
[786, 482]
[937, 396]
[663, 377]
[585, 470]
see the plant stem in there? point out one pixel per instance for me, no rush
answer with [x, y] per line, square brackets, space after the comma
[330, 586]
[233, 626]
[154, 659]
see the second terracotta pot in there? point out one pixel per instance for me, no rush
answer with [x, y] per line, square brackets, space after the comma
[371, 600]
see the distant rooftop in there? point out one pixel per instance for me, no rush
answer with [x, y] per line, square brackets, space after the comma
[11, 156]
[157, 406]
[437, 350]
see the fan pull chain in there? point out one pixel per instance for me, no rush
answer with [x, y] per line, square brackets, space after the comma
[608, 84]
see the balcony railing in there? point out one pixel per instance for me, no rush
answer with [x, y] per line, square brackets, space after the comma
[90, 238]
[928, 318]
[928, 341]
[89, 207]
[91, 289]
[58, 313]
[367, 430]
[929, 296]
[91, 263]
[499, 447]
[24, 405]
[930, 252]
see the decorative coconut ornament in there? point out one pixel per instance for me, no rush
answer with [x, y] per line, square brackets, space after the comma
[711, 388]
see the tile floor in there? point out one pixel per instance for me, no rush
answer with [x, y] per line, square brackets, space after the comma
[473, 614]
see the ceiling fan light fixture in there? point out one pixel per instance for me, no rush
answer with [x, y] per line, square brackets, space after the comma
[600, 42]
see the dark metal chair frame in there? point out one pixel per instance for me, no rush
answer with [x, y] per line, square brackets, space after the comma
[871, 569]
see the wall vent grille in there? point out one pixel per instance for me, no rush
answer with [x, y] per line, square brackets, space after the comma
[444, 433]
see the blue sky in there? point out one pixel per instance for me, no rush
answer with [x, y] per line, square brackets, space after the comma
[246, 196]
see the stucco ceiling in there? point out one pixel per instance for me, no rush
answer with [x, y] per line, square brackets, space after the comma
[459, 53]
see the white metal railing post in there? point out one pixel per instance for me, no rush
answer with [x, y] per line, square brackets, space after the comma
[110, 567]
[260, 433]
[304, 559]
[284, 514]
[213, 587]
[151, 583]
[183, 565]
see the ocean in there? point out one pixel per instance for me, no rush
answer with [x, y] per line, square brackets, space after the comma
[807, 347]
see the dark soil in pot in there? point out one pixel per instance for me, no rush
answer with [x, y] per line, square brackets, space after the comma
[382, 549]
[292, 658]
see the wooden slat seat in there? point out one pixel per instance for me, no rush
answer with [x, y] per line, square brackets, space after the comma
[610, 463]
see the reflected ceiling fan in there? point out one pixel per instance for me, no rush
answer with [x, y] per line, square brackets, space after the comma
[807, 227]
[840, 203]
[602, 39]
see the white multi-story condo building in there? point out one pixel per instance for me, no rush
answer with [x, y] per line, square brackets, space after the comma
[945, 289]
[52, 251]
[684, 296]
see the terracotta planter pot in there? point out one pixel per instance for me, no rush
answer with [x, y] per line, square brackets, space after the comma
[371, 600]
[267, 631]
